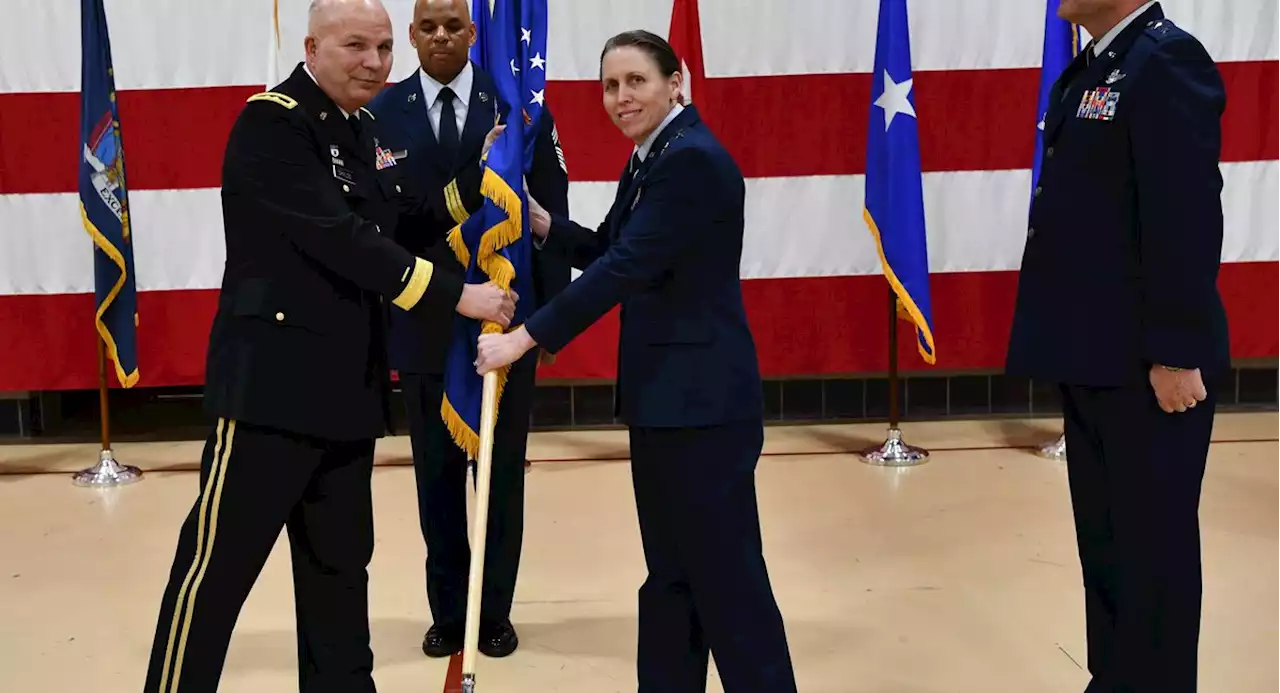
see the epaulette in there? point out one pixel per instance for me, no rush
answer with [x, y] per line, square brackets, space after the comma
[274, 97]
[371, 117]
[1160, 29]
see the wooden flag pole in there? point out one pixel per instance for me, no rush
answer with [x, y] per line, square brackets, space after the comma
[893, 452]
[893, 360]
[107, 472]
[104, 406]
[461, 676]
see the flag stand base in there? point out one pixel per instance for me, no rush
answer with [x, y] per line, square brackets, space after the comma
[107, 473]
[894, 452]
[1056, 450]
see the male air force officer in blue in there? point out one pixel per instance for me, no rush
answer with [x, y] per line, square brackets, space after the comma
[1118, 303]
[436, 121]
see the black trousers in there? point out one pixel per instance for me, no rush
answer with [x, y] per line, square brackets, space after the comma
[440, 467]
[1135, 475]
[253, 482]
[708, 589]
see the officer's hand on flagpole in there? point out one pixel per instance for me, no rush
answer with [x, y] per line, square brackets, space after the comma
[493, 351]
[488, 302]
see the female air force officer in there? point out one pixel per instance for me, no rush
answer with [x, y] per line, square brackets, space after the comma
[688, 381]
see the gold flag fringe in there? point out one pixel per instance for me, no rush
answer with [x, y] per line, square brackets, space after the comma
[501, 273]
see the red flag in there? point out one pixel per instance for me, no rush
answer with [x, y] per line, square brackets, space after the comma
[685, 37]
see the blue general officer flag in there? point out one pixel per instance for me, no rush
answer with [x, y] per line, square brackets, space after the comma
[1061, 44]
[495, 244]
[533, 70]
[104, 200]
[481, 11]
[894, 195]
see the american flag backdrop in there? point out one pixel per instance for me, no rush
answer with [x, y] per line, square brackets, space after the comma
[786, 86]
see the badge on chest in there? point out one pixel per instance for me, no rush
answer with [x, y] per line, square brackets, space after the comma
[1098, 104]
[340, 170]
[383, 158]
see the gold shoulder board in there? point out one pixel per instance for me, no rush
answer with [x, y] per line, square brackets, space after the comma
[274, 97]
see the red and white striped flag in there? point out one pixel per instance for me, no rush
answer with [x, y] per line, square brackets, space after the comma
[786, 90]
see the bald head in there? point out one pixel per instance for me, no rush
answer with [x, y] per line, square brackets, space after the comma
[323, 14]
[442, 34]
[348, 49]
[454, 6]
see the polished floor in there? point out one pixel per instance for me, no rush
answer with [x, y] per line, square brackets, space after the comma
[955, 576]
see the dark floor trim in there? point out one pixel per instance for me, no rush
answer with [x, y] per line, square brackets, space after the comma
[174, 413]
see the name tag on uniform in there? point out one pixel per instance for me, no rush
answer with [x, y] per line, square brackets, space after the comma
[343, 175]
[1098, 104]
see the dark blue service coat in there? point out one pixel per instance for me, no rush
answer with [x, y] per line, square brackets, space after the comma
[669, 252]
[1125, 236]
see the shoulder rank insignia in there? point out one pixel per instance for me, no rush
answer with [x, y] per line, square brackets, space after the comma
[274, 97]
[678, 136]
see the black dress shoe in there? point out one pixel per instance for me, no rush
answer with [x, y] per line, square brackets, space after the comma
[498, 639]
[442, 641]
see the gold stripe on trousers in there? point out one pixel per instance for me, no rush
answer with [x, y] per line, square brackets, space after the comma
[206, 530]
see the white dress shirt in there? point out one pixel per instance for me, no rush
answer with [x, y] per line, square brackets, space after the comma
[461, 86]
[1102, 43]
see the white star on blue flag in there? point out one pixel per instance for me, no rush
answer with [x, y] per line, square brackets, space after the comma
[895, 192]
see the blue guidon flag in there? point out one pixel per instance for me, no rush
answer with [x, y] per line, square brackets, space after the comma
[495, 244]
[481, 12]
[1061, 44]
[104, 199]
[894, 195]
